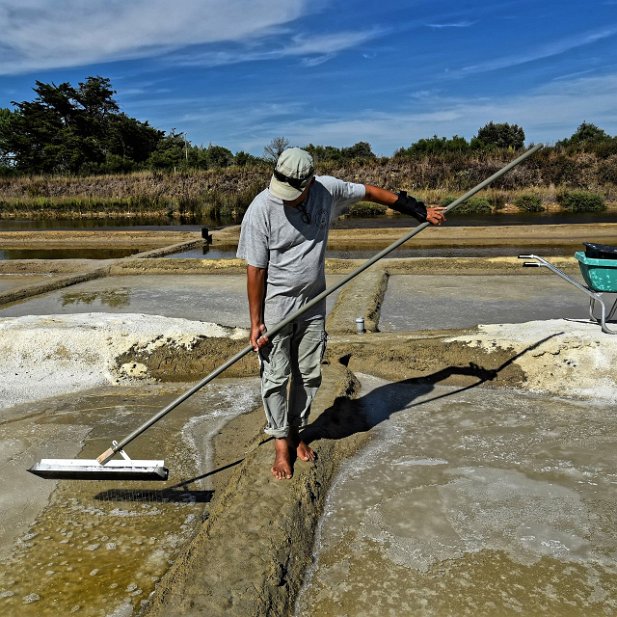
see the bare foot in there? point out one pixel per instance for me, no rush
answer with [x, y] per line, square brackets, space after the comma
[282, 469]
[305, 453]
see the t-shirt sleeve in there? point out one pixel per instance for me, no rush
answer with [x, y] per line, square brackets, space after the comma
[344, 194]
[254, 236]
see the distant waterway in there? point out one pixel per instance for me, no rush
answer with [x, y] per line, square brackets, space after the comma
[489, 220]
[209, 253]
[454, 219]
[67, 253]
[399, 253]
[107, 224]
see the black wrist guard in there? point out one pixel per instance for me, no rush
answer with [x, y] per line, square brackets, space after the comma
[408, 205]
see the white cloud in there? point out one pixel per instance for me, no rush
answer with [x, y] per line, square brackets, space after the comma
[547, 115]
[554, 48]
[38, 34]
[459, 24]
[315, 49]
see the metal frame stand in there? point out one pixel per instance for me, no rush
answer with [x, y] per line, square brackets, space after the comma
[594, 296]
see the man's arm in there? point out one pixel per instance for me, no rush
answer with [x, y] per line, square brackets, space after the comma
[256, 290]
[434, 214]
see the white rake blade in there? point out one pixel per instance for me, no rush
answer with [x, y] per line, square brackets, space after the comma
[91, 469]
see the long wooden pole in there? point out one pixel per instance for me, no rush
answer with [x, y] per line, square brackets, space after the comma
[117, 446]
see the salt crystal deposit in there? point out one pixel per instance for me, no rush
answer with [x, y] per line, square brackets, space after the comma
[49, 355]
[575, 358]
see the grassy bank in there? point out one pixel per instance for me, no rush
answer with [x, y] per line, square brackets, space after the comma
[548, 200]
[224, 194]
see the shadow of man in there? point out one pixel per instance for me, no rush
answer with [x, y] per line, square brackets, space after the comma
[347, 417]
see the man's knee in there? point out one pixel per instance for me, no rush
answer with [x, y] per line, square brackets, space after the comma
[309, 380]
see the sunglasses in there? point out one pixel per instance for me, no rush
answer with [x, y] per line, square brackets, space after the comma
[298, 183]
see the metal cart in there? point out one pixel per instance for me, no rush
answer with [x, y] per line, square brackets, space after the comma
[598, 264]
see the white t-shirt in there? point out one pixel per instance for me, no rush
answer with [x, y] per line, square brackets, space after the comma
[278, 238]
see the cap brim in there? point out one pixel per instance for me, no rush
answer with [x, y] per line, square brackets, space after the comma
[285, 191]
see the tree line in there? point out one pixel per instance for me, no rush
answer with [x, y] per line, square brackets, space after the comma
[81, 130]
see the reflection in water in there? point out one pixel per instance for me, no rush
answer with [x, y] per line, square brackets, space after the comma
[475, 503]
[64, 253]
[399, 253]
[116, 298]
[447, 251]
[455, 219]
[115, 223]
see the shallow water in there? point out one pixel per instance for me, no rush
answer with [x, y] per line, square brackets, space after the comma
[219, 299]
[97, 548]
[131, 223]
[67, 253]
[415, 302]
[454, 219]
[474, 502]
[205, 298]
[399, 253]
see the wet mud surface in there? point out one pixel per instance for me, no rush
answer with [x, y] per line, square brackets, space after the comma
[474, 502]
[566, 236]
[216, 299]
[237, 542]
[99, 547]
[9, 281]
[142, 240]
[462, 301]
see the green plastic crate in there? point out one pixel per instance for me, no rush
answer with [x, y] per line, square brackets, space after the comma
[599, 274]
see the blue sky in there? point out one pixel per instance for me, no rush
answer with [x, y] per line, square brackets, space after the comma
[238, 73]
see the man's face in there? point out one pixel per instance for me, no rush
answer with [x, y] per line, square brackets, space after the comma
[303, 196]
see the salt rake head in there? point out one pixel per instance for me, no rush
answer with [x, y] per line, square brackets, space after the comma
[101, 468]
[91, 469]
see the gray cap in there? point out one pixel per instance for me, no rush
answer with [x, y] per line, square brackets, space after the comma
[292, 174]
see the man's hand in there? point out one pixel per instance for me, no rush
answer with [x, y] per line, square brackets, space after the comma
[256, 290]
[405, 204]
[435, 215]
[258, 336]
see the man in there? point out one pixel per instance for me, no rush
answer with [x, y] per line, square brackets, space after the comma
[283, 240]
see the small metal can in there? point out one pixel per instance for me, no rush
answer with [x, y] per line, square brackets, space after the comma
[360, 325]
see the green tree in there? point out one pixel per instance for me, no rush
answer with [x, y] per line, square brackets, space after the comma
[492, 135]
[589, 137]
[218, 156]
[324, 153]
[587, 132]
[360, 150]
[435, 146]
[5, 153]
[242, 159]
[75, 129]
[171, 152]
[131, 140]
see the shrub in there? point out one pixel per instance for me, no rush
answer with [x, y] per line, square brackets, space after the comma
[607, 170]
[581, 201]
[446, 200]
[474, 205]
[498, 200]
[561, 169]
[228, 206]
[529, 203]
[366, 209]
